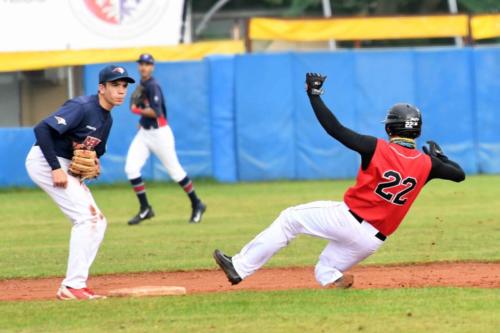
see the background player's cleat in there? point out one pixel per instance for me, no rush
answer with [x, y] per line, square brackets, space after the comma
[344, 282]
[142, 215]
[66, 293]
[226, 264]
[197, 212]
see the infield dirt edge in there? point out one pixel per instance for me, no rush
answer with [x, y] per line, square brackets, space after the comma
[439, 274]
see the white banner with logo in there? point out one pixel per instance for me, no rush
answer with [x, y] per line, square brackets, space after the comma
[43, 25]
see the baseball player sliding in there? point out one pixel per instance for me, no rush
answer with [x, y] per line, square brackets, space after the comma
[68, 145]
[155, 136]
[391, 176]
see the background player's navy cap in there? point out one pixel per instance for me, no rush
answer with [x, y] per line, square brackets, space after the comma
[146, 58]
[113, 73]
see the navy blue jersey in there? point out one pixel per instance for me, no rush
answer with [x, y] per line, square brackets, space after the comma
[80, 120]
[153, 97]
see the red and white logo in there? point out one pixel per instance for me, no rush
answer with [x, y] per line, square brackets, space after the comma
[118, 70]
[119, 18]
[114, 11]
[90, 142]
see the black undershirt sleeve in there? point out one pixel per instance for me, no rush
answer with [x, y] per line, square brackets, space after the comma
[443, 168]
[363, 144]
[43, 134]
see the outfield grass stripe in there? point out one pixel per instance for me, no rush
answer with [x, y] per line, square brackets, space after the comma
[453, 310]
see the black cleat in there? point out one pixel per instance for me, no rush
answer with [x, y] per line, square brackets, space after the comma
[226, 264]
[197, 212]
[142, 215]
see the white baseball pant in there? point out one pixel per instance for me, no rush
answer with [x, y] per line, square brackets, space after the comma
[159, 141]
[77, 203]
[350, 241]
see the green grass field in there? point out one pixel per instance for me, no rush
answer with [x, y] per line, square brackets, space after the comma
[448, 222]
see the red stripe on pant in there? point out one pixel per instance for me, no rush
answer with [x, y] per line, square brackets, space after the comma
[139, 188]
[188, 188]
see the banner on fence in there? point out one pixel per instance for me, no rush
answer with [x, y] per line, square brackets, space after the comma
[88, 24]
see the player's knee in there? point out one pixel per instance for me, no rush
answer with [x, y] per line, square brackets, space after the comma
[91, 217]
[177, 174]
[286, 214]
[288, 223]
[131, 171]
[177, 178]
[102, 218]
[103, 223]
[99, 223]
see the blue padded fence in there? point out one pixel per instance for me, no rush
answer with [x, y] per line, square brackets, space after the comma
[486, 108]
[221, 101]
[317, 155]
[15, 145]
[247, 117]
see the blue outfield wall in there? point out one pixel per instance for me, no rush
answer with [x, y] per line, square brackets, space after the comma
[486, 109]
[15, 145]
[247, 117]
[221, 104]
[279, 137]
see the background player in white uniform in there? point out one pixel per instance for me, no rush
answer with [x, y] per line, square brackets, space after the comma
[155, 136]
[83, 122]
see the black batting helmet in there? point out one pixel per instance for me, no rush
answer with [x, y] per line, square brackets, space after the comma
[403, 120]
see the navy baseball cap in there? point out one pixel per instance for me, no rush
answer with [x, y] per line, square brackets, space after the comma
[146, 58]
[113, 73]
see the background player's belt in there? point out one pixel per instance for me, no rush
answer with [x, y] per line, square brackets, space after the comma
[358, 218]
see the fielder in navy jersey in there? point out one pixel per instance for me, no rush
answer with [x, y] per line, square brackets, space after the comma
[81, 122]
[155, 136]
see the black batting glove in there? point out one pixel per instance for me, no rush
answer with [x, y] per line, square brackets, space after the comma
[314, 82]
[434, 150]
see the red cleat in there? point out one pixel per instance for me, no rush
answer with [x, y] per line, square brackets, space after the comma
[66, 293]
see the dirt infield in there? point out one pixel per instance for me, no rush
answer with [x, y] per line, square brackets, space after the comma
[464, 274]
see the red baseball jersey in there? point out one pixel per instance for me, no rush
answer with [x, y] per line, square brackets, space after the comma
[385, 191]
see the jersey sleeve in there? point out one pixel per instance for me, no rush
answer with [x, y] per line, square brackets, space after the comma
[155, 98]
[44, 140]
[68, 117]
[443, 168]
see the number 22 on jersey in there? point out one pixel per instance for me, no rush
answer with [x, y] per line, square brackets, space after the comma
[394, 179]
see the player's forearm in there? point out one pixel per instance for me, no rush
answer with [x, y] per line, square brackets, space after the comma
[149, 112]
[453, 164]
[454, 170]
[146, 111]
[444, 168]
[100, 150]
[325, 117]
[44, 140]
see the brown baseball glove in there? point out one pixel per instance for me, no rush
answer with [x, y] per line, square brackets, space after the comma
[85, 164]
[137, 97]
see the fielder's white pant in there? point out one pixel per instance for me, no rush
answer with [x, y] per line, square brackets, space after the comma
[77, 203]
[159, 141]
[350, 241]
